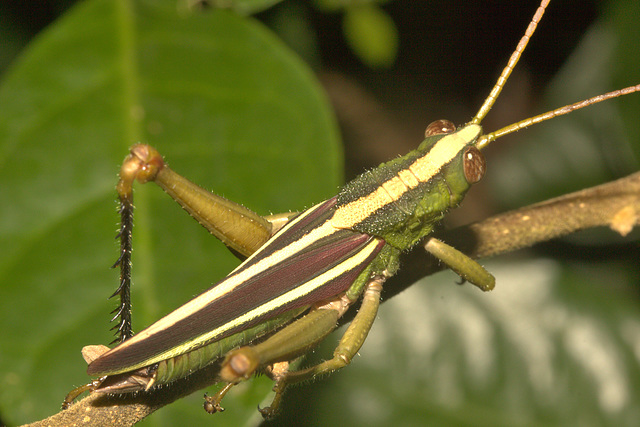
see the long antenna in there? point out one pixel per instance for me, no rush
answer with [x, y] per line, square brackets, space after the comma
[485, 140]
[513, 60]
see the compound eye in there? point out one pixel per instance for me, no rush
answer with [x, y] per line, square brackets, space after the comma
[440, 127]
[473, 164]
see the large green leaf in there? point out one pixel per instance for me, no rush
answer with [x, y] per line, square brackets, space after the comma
[217, 94]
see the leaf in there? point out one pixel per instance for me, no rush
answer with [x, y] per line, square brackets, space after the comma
[245, 7]
[371, 34]
[217, 94]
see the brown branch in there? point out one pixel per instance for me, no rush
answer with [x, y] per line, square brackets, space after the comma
[615, 205]
[129, 409]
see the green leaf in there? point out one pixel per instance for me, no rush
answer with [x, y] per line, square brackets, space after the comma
[227, 104]
[371, 34]
[246, 7]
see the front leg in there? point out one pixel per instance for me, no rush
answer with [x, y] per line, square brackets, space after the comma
[467, 268]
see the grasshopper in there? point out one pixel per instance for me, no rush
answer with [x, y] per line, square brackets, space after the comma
[302, 272]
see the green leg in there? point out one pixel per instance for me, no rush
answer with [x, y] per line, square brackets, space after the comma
[464, 266]
[298, 338]
[287, 344]
[347, 348]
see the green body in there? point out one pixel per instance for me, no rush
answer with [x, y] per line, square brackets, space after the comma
[405, 221]
[384, 211]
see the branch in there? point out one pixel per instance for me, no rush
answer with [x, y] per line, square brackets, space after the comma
[615, 205]
[128, 409]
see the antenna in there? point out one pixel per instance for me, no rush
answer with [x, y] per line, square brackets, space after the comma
[513, 60]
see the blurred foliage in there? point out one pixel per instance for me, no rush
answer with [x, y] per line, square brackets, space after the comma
[372, 35]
